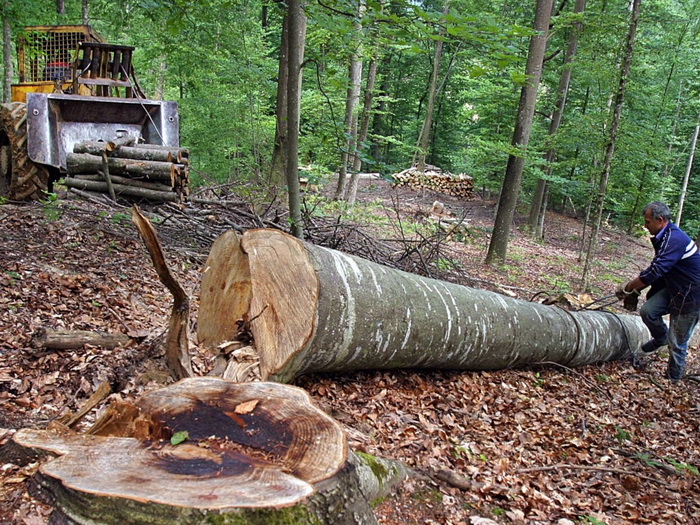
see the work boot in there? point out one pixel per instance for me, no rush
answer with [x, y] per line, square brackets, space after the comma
[653, 345]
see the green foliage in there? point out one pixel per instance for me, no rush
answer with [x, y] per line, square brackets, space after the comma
[621, 434]
[220, 63]
[683, 467]
[591, 519]
[179, 437]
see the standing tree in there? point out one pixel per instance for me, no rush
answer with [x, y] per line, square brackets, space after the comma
[610, 148]
[296, 25]
[424, 136]
[688, 168]
[351, 102]
[521, 136]
[538, 207]
[6, 52]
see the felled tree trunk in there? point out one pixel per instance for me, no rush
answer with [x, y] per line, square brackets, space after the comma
[311, 309]
[203, 450]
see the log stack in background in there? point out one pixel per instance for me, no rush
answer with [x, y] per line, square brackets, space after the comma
[436, 179]
[146, 171]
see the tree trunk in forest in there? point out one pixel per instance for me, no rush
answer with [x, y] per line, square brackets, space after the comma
[277, 166]
[85, 12]
[538, 206]
[378, 149]
[296, 38]
[204, 450]
[424, 135]
[6, 54]
[362, 133]
[610, 148]
[311, 309]
[351, 102]
[521, 136]
[688, 168]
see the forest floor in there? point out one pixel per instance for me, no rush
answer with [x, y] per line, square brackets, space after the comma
[606, 443]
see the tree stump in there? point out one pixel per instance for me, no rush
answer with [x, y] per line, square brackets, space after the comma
[304, 308]
[203, 450]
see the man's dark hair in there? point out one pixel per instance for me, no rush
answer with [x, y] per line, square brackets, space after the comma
[658, 210]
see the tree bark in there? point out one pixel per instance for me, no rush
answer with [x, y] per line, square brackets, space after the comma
[122, 189]
[297, 31]
[86, 163]
[279, 152]
[171, 155]
[311, 309]
[362, 132]
[538, 206]
[424, 135]
[688, 168]
[610, 148]
[6, 53]
[352, 100]
[498, 246]
[71, 339]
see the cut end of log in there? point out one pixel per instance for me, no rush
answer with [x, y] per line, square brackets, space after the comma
[223, 446]
[263, 288]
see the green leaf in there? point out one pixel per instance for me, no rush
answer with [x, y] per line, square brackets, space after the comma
[179, 437]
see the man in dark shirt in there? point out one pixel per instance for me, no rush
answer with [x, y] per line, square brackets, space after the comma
[674, 277]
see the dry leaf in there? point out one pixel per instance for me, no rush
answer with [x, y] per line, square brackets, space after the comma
[246, 407]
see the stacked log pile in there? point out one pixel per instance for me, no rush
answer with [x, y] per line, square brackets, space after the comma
[436, 179]
[145, 171]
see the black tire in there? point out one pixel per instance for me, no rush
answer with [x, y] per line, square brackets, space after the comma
[20, 178]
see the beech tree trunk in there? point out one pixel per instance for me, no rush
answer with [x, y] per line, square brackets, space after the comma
[686, 176]
[352, 100]
[498, 246]
[538, 207]
[312, 309]
[610, 148]
[6, 53]
[296, 20]
[362, 132]
[424, 135]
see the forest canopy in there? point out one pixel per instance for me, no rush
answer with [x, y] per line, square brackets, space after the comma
[220, 61]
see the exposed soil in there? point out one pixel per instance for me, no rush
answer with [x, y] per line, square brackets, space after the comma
[606, 443]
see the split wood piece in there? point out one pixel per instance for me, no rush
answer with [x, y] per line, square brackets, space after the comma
[46, 338]
[103, 391]
[312, 309]
[86, 163]
[253, 450]
[177, 354]
[125, 181]
[122, 189]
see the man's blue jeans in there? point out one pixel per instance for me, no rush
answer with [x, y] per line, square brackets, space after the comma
[677, 336]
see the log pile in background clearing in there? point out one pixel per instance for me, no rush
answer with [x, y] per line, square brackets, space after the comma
[146, 171]
[435, 179]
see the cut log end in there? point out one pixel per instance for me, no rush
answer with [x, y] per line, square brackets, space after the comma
[231, 307]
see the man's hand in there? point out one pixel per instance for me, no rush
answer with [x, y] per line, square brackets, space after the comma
[620, 293]
[630, 301]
